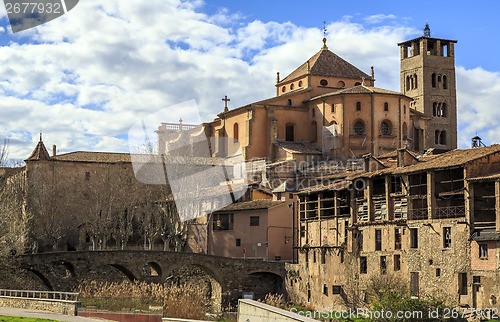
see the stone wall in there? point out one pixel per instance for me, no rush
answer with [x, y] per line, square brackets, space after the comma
[56, 306]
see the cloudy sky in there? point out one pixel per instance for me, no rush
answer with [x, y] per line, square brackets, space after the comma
[84, 79]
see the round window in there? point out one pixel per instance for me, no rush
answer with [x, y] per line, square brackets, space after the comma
[340, 84]
[385, 128]
[359, 128]
[323, 82]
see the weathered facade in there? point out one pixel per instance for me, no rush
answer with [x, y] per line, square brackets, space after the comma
[430, 220]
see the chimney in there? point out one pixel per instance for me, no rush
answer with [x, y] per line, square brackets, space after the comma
[367, 158]
[373, 73]
[277, 77]
[401, 157]
[54, 150]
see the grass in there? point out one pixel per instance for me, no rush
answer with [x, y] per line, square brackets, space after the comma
[22, 319]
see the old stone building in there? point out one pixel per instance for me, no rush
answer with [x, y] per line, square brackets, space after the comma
[83, 200]
[431, 220]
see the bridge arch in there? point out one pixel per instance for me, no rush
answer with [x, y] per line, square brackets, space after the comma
[272, 281]
[217, 285]
[42, 277]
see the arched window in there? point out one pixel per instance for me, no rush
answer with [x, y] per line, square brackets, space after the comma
[314, 131]
[357, 84]
[291, 86]
[411, 82]
[386, 127]
[405, 131]
[434, 109]
[443, 110]
[433, 80]
[436, 137]
[289, 129]
[404, 109]
[445, 85]
[407, 83]
[442, 138]
[300, 83]
[289, 102]
[283, 89]
[439, 81]
[386, 106]
[235, 131]
[358, 106]
[359, 128]
[416, 80]
[333, 108]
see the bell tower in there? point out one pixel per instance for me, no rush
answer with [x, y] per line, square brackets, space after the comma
[428, 76]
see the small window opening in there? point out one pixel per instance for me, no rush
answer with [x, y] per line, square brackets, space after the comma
[386, 106]
[362, 265]
[238, 242]
[397, 262]
[483, 251]
[413, 237]
[433, 80]
[378, 239]
[87, 176]
[323, 82]
[447, 237]
[358, 106]
[289, 102]
[438, 272]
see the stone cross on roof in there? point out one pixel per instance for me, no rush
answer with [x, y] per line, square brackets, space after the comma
[225, 99]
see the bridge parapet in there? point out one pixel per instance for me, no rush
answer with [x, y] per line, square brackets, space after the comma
[57, 302]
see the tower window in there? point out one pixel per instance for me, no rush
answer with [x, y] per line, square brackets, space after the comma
[323, 82]
[407, 83]
[434, 109]
[443, 110]
[300, 83]
[404, 109]
[436, 137]
[289, 102]
[87, 176]
[416, 82]
[445, 84]
[386, 106]
[397, 262]
[289, 132]
[359, 128]
[433, 80]
[442, 138]
[291, 86]
[283, 89]
[358, 106]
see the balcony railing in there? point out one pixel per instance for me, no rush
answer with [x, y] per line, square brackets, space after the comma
[44, 295]
[418, 214]
[450, 212]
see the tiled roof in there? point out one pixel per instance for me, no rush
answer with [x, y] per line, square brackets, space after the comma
[360, 89]
[326, 63]
[40, 152]
[485, 235]
[298, 147]
[252, 205]
[450, 159]
[99, 157]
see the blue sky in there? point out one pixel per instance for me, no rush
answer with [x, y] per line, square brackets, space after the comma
[84, 79]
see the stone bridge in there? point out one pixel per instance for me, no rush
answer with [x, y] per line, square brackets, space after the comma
[229, 277]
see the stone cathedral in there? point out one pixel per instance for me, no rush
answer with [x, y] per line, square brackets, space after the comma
[329, 109]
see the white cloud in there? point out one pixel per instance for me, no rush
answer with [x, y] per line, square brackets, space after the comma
[374, 19]
[88, 76]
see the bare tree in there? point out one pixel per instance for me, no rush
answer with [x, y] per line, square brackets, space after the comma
[4, 153]
[14, 220]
